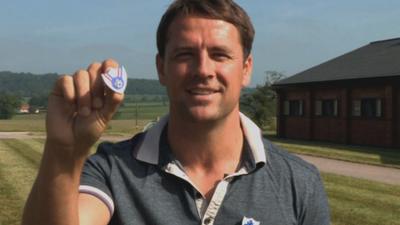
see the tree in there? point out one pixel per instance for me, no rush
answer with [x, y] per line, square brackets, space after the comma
[8, 105]
[38, 101]
[164, 100]
[260, 105]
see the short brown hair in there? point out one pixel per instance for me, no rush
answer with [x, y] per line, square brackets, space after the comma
[226, 10]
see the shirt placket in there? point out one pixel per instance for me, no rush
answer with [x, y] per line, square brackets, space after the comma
[215, 203]
[218, 197]
[207, 216]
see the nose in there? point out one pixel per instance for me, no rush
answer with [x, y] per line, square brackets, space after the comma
[204, 66]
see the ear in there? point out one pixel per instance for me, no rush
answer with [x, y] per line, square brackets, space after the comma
[247, 70]
[160, 69]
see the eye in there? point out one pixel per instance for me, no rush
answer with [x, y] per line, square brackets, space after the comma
[183, 55]
[221, 56]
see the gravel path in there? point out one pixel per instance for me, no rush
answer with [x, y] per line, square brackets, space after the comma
[375, 173]
[30, 135]
[20, 135]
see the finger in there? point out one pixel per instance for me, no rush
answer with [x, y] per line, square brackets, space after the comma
[83, 95]
[96, 85]
[111, 104]
[64, 87]
[109, 63]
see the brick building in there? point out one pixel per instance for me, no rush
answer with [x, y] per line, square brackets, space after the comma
[351, 99]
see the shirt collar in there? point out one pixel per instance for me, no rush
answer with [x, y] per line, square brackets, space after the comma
[148, 150]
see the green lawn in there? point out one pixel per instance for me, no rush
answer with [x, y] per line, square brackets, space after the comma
[361, 154]
[19, 160]
[361, 202]
[353, 201]
[147, 110]
[126, 126]
[129, 119]
[19, 125]
[115, 127]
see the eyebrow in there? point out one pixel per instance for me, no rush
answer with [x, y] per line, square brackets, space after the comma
[222, 48]
[183, 48]
[213, 49]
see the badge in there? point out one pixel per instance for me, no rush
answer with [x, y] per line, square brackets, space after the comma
[250, 221]
[116, 79]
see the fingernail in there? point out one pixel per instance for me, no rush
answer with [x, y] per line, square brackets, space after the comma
[97, 103]
[84, 111]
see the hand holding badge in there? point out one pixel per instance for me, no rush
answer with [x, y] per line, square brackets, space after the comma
[116, 79]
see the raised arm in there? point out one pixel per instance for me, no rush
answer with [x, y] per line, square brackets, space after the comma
[79, 108]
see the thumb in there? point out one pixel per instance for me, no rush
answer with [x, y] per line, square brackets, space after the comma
[111, 99]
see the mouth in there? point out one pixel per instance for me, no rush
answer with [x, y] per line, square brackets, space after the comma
[202, 91]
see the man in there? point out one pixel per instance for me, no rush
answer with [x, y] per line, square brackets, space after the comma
[204, 163]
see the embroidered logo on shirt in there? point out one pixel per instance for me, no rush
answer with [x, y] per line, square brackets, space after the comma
[250, 221]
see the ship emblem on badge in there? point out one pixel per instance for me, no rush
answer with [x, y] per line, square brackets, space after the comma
[250, 221]
[116, 79]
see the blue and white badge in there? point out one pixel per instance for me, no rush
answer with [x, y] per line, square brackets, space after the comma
[116, 79]
[250, 221]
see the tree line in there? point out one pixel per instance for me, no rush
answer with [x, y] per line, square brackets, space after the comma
[258, 103]
[17, 88]
[28, 84]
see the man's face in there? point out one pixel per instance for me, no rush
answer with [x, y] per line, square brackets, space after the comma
[203, 68]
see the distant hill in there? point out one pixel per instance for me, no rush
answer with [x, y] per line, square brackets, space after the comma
[28, 84]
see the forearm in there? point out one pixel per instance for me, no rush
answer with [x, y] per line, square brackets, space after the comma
[54, 196]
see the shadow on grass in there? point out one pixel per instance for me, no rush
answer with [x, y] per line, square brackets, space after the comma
[387, 156]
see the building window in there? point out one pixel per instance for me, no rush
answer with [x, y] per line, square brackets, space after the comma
[293, 108]
[326, 107]
[367, 107]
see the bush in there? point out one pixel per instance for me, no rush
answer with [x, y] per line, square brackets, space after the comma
[9, 105]
[260, 105]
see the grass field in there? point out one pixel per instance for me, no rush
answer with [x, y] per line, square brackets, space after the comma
[114, 127]
[19, 162]
[361, 202]
[352, 201]
[144, 110]
[361, 154]
[129, 119]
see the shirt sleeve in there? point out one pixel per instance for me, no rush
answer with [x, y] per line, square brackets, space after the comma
[316, 209]
[95, 177]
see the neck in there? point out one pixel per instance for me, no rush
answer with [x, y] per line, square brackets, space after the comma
[213, 146]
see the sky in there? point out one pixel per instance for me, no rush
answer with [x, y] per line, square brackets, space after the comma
[50, 36]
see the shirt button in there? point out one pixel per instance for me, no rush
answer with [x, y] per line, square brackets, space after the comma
[207, 220]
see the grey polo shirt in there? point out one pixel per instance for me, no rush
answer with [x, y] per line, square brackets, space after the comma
[142, 183]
